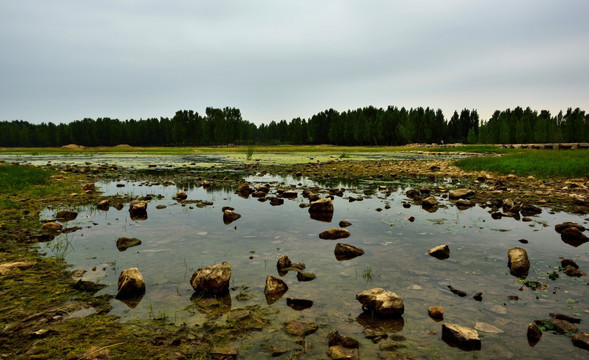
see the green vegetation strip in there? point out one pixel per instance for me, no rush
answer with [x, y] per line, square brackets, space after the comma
[538, 163]
[15, 178]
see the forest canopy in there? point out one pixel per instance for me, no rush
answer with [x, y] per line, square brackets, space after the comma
[363, 126]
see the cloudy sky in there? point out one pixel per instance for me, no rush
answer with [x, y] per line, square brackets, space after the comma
[65, 60]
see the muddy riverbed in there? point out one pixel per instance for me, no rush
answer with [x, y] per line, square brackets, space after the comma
[395, 232]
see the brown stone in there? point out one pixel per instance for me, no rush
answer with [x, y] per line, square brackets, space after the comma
[461, 336]
[436, 312]
[212, 279]
[518, 262]
[440, 252]
[334, 233]
[380, 302]
[346, 252]
[131, 284]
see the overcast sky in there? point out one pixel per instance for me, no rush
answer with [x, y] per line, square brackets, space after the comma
[66, 60]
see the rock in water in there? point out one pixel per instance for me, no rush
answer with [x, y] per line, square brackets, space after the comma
[344, 223]
[334, 233]
[534, 332]
[461, 336]
[274, 289]
[66, 215]
[346, 252]
[518, 262]
[212, 279]
[230, 216]
[460, 194]
[131, 284]
[283, 264]
[429, 202]
[181, 195]
[440, 252]
[581, 340]
[300, 328]
[138, 210]
[124, 243]
[321, 206]
[51, 227]
[381, 302]
[436, 312]
[560, 227]
[335, 339]
[338, 352]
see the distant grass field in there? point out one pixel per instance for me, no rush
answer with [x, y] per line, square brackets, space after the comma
[247, 148]
[538, 163]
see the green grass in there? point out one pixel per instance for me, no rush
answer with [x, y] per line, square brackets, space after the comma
[538, 163]
[16, 178]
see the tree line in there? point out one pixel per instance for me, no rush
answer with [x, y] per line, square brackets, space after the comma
[362, 126]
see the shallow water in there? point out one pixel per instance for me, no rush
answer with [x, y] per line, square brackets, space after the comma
[204, 160]
[179, 239]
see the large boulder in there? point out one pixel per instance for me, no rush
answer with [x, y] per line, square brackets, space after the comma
[381, 302]
[440, 252]
[212, 279]
[460, 194]
[346, 252]
[461, 336]
[131, 284]
[518, 262]
[334, 233]
[573, 236]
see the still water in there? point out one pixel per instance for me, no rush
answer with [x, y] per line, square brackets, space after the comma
[181, 238]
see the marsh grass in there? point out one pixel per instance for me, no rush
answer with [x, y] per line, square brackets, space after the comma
[538, 163]
[16, 178]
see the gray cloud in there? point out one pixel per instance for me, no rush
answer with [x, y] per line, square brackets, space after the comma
[65, 60]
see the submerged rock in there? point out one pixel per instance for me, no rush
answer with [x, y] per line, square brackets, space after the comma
[212, 279]
[338, 352]
[347, 252]
[124, 243]
[130, 284]
[381, 302]
[461, 336]
[305, 276]
[299, 304]
[518, 262]
[334, 234]
[300, 328]
[335, 339]
[440, 252]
